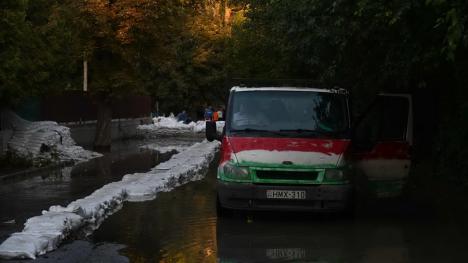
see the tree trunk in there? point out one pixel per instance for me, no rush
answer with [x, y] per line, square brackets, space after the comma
[103, 138]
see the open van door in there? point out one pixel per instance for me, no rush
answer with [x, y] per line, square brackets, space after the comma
[382, 142]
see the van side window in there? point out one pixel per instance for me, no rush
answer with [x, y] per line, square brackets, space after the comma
[394, 118]
[368, 129]
[386, 120]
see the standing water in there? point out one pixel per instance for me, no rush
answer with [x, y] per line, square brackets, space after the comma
[182, 226]
[26, 197]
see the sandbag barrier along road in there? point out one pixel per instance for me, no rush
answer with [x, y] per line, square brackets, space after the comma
[44, 233]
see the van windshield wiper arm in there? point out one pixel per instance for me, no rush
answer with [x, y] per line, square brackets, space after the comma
[314, 132]
[257, 130]
[246, 129]
[301, 131]
[306, 132]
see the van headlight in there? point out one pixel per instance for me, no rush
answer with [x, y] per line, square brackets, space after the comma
[234, 172]
[335, 175]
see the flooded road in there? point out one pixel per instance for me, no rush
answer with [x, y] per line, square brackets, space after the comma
[25, 197]
[182, 226]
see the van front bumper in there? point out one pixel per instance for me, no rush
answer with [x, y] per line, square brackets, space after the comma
[244, 196]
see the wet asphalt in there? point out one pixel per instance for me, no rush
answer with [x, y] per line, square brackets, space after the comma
[182, 226]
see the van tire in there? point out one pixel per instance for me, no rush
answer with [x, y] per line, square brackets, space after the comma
[223, 211]
[350, 210]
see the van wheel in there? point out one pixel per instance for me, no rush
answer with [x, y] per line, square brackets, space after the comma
[350, 210]
[222, 211]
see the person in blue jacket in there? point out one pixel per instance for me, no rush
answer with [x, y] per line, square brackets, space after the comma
[208, 113]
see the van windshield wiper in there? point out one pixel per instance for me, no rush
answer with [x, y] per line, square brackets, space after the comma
[300, 131]
[314, 132]
[305, 132]
[257, 130]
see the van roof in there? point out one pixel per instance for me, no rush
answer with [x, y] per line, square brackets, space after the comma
[240, 89]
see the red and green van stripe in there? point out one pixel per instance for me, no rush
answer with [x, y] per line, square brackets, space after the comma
[283, 155]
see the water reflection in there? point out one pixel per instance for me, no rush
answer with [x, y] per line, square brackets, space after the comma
[290, 238]
[311, 238]
[181, 226]
[26, 197]
[82, 251]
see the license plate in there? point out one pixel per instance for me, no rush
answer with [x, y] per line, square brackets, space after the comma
[285, 194]
[286, 253]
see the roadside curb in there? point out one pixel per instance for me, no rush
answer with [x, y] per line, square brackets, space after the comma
[35, 170]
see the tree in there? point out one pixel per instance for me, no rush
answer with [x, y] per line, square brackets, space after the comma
[38, 49]
[117, 38]
[194, 73]
[367, 46]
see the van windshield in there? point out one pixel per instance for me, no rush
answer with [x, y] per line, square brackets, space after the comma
[288, 112]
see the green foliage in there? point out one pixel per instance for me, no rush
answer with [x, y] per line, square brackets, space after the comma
[188, 68]
[367, 46]
[36, 50]
[15, 33]
[170, 49]
[182, 52]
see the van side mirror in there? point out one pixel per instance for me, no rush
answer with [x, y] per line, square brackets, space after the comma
[211, 131]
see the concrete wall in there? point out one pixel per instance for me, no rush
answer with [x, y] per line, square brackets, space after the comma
[83, 133]
[5, 136]
[6, 131]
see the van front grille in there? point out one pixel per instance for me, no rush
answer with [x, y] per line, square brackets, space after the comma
[287, 175]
